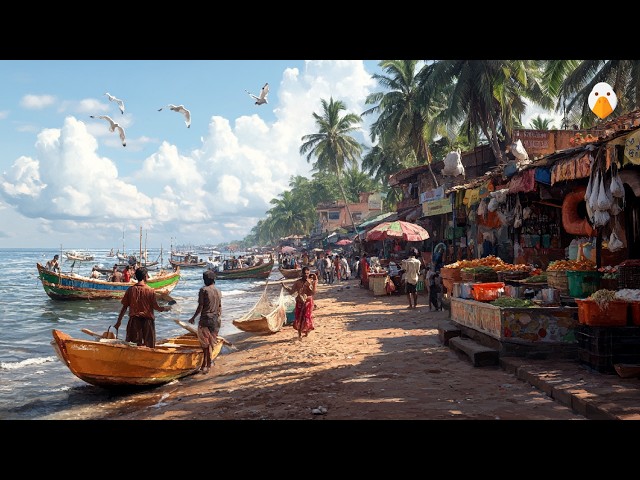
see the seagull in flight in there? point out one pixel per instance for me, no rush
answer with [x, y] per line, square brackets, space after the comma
[182, 110]
[112, 127]
[263, 95]
[117, 100]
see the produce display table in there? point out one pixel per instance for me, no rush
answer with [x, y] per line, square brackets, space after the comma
[532, 326]
[377, 283]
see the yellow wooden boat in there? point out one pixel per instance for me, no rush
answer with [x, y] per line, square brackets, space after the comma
[290, 273]
[114, 363]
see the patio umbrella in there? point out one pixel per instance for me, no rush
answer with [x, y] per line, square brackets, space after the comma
[398, 230]
[344, 241]
[287, 249]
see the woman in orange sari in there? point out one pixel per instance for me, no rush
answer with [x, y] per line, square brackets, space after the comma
[304, 289]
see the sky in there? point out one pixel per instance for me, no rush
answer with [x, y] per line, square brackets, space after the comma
[66, 181]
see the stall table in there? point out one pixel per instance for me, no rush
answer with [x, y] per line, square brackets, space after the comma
[377, 282]
[519, 331]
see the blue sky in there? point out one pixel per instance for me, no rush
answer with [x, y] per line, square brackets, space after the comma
[67, 180]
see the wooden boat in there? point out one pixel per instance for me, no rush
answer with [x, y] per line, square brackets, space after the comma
[78, 256]
[186, 260]
[289, 273]
[69, 286]
[627, 370]
[113, 363]
[264, 317]
[261, 270]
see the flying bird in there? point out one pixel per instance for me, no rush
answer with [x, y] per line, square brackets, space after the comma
[263, 95]
[117, 100]
[182, 110]
[602, 100]
[113, 126]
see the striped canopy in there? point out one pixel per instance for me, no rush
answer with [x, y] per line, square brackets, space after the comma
[398, 230]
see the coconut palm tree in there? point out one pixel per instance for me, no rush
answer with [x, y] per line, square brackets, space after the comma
[573, 80]
[486, 96]
[333, 146]
[404, 117]
[539, 123]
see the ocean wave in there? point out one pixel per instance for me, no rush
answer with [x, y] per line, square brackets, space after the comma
[26, 363]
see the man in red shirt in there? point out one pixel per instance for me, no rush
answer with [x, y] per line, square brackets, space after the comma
[141, 301]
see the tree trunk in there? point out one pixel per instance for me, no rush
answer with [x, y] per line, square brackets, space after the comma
[346, 202]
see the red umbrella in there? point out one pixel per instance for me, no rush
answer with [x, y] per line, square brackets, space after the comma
[344, 241]
[409, 232]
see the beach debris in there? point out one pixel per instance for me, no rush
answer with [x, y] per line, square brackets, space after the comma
[182, 110]
[117, 100]
[113, 126]
[319, 410]
[262, 99]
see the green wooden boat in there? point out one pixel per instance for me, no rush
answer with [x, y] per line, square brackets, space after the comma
[262, 270]
[63, 286]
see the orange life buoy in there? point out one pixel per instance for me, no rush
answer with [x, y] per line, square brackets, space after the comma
[572, 222]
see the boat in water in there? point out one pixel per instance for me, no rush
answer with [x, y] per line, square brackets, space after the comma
[71, 286]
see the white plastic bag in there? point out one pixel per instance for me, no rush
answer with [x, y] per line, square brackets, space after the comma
[601, 218]
[617, 187]
[615, 243]
[604, 202]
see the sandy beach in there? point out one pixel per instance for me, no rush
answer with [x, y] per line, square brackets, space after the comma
[369, 358]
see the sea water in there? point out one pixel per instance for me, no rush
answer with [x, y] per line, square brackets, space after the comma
[34, 383]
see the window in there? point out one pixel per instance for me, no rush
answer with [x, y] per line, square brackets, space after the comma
[334, 215]
[357, 216]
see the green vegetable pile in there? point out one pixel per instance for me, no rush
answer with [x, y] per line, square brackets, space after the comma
[509, 302]
[542, 278]
[478, 270]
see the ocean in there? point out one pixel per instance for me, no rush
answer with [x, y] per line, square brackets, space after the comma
[34, 383]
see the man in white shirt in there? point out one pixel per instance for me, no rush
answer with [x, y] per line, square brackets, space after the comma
[411, 267]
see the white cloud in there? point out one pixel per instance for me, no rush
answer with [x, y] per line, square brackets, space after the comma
[4, 114]
[37, 102]
[213, 193]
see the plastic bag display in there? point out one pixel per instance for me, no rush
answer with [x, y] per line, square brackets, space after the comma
[453, 164]
[615, 243]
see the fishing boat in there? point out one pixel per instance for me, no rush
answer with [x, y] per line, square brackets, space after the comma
[186, 260]
[71, 286]
[74, 255]
[113, 363]
[290, 273]
[261, 270]
[264, 317]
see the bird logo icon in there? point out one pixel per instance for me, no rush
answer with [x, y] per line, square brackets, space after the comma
[603, 100]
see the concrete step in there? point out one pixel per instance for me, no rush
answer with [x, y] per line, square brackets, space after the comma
[479, 355]
[447, 330]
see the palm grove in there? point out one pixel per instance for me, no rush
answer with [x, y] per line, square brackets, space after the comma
[425, 109]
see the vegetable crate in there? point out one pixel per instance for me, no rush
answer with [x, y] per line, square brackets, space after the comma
[614, 315]
[486, 292]
[629, 276]
[558, 279]
[582, 283]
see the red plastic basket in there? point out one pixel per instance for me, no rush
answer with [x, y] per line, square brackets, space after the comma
[615, 315]
[486, 292]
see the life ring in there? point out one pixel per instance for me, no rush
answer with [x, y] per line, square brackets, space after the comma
[572, 222]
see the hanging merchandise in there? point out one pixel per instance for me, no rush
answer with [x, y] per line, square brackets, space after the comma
[517, 221]
[632, 148]
[615, 243]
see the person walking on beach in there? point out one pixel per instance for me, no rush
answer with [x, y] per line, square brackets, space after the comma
[141, 301]
[411, 267]
[210, 310]
[304, 289]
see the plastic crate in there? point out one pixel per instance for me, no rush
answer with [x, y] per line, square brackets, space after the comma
[589, 313]
[487, 292]
[629, 276]
[582, 283]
